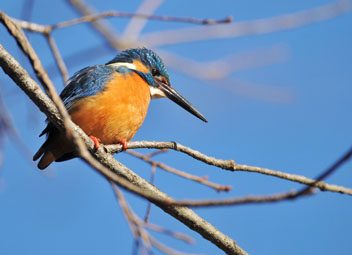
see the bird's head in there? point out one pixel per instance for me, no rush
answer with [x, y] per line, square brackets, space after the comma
[151, 68]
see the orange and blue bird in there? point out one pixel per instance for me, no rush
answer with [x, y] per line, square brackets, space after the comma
[110, 102]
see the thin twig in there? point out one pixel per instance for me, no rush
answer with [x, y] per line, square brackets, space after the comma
[248, 28]
[136, 25]
[135, 226]
[58, 59]
[106, 31]
[156, 153]
[225, 164]
[136, 243]
[329, 171]
[33, 27]
[167, 250]
[177, 235]
[198, 179]
[242, 200]
[94, 17]
[149, 205]
[108, 14]
[295, 178]
[138, 226]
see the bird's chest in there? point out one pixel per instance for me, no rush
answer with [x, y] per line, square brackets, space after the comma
[117, 113]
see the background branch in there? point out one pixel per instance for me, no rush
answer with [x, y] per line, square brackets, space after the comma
[248, 28]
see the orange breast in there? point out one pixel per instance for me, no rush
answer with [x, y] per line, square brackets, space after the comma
[116, 114]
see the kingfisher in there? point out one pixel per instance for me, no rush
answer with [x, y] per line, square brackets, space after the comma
[109, 102]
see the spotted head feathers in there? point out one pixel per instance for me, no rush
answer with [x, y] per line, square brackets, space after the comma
[148, 58]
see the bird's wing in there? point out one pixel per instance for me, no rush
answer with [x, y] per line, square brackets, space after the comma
[87, 82]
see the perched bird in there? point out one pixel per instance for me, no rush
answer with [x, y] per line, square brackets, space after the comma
[109, 102]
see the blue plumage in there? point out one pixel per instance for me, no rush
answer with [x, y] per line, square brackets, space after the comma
[86, 82]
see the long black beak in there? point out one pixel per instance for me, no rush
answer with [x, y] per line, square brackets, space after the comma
[173, 95]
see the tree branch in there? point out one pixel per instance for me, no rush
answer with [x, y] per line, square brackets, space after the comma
[139, 228]
[248, 28]
[198, 179]
[231, 164]
[264, 199]
[58, 58]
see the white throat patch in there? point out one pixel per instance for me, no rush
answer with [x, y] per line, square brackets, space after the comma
[156, 93]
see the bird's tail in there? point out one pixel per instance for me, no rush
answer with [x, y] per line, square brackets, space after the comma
[45, 154]
[53, 149]
[46, 160]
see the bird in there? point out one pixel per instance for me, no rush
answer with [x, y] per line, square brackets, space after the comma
[109, 102]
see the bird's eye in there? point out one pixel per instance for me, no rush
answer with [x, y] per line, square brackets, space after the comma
[155, 72]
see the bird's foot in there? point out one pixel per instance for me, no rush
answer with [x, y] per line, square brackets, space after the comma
[96, 141]
[123, 144]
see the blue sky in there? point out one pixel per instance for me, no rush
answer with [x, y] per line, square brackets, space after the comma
[69, 209]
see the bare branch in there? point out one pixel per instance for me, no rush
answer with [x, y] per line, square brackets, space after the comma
[198, 179]
[165, 249]
[243, 200]
[177, 235]
[149, 205]
[91, 17]
[136, 244]
[231, 165]
[138, 227]
[33, 27]
[271, 198]
[295, 178]
[225, 164]
[102, 28]
[156, 153]
[248, 28]
[136, 25]
[95, 17]
[58, 59]
[329, 171]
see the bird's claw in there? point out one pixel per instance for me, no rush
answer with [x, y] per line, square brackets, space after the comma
[123, 144]
[96, 141]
